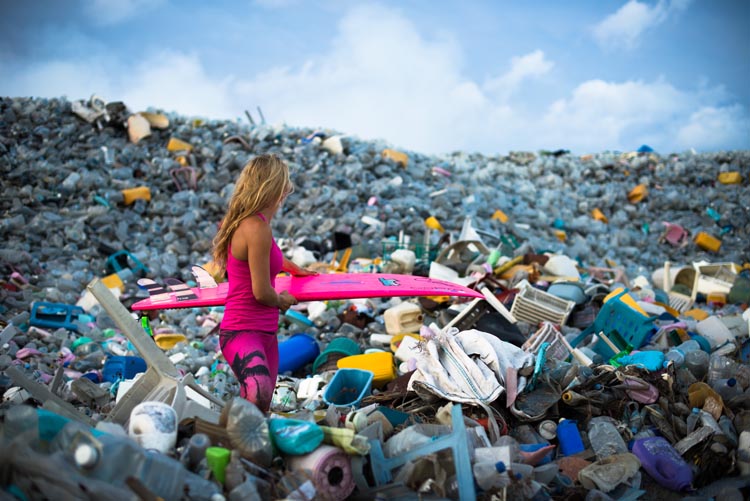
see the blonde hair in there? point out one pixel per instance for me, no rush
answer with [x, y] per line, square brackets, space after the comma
[263, 182]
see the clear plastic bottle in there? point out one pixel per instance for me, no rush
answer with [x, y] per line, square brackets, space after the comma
[693, 419]
[727, 427]
[677, 354]
[707, 419]
[697, 363]
[727, 389]
[605, 439]
[491, 475]
[720, 367]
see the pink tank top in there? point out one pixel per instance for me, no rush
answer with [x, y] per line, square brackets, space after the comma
[242, 311]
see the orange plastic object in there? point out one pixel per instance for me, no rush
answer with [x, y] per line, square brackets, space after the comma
[637, 194]
[561, 235]
[599, 216]
[433, 224]
[717, 299]
[175, 144]
[112, 281]
[132, 194]
[396, 156]
[500, 216]
[730, 178]
[707, 242]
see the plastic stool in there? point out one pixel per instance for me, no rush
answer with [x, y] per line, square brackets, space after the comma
[55, 315]
[456, 440]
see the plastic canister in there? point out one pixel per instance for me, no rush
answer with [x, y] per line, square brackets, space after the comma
[663, 463]
[715, 331]
[404, 317]
[379, 363]
[130, 195]
[727, 388]
[296, 352]
[569, 437]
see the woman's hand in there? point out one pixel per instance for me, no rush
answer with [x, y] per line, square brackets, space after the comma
[296, 271]
[286, 300]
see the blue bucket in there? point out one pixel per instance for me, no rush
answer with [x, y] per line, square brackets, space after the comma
[348, 387]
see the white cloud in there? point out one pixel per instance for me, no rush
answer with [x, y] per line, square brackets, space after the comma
[526, 67]
[624, 28]
[715, 128]
[108, 12]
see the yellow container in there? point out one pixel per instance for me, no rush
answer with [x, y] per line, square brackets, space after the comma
[175, 144]
[599, 216]
[433, 224]
[132, 194]
[696, 314]
[561, 235]
[707, 242]
[730, 178]
[717, 298]
[112, 281]
[637, 194]
[396, 341]
[380, 364]
[500, 216]
[396, 156]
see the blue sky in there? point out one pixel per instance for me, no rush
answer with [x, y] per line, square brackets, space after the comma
[428, 76]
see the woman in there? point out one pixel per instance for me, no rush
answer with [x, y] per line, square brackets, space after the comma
[245, 248]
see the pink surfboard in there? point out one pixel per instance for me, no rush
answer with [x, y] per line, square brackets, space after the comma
[323, 287]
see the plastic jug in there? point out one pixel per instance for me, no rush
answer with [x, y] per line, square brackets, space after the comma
[404, 317]
[663, 463]
[605, 439]
[490, 475]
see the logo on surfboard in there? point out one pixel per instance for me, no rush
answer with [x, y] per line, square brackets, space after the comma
[389, 282]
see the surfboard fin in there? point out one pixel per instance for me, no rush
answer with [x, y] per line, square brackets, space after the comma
[156, 292]
[182, 292]
[203, 277]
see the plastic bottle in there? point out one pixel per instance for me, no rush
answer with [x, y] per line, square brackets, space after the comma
[720, 367]
[490, 475]
[663, 463]
[697, 363]
[677, 353]
[727, 389]
[605, 439]
[727, 427]
[693, 419]
[569, 437]
[707, 419]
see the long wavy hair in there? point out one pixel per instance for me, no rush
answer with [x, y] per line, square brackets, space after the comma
[263, 182]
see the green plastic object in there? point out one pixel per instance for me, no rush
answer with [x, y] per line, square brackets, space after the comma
[218, 459]
[341, 345]
[295, 437]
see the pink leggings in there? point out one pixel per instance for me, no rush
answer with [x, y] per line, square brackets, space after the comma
[254, 358]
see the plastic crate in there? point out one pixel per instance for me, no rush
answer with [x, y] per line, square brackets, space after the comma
[348, 387]
[534, 306]
[421, 251]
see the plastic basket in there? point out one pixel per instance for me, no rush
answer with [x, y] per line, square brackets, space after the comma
[348, 387]
[534, 306]
[421, 251]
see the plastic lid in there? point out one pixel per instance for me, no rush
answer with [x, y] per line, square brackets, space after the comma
[731, 382]
[500, 467]
[696, 410]
[86, 456]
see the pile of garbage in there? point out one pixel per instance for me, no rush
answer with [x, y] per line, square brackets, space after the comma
[607, 357]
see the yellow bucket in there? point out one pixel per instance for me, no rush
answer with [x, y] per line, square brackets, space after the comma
[380, 364]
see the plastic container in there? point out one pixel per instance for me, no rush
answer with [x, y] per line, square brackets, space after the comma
[295, 437]
[605, 439]
[707, 242]
[727, 389]
[677, 354]
[697, 363]
[296, 352]
[663, 463]
[130, 195]
[217, 459]
[330, 470]
[720, 367]
[490, 475]
[569, 437]
[348, 387]
[404, 317]
[122, 367]
[341, 347]
[379, 363]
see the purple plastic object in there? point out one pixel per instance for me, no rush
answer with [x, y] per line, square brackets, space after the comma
[663, 463]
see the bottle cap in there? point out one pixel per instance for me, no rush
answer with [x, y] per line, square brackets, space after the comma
[86, 456]
[731, 382]
[500, 467]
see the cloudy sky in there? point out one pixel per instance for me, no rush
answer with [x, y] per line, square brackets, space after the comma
[429, 76]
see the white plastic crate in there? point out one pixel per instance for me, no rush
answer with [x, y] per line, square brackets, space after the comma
[533, 306]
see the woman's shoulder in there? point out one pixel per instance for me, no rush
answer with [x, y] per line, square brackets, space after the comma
[255, 225]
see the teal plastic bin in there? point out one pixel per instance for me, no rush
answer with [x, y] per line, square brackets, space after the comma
[348, 387]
